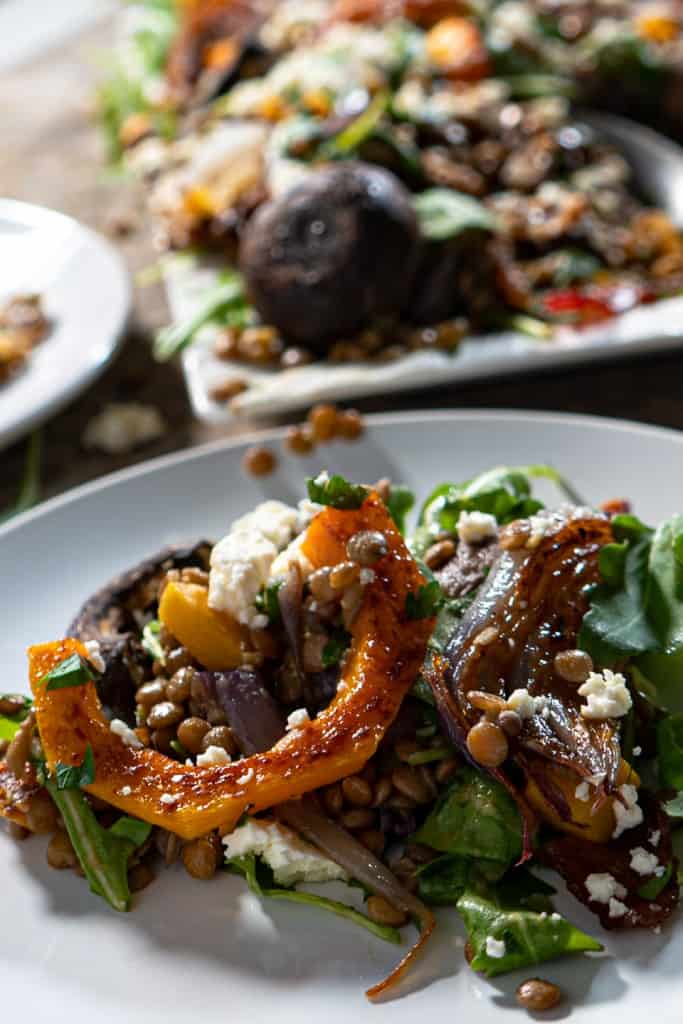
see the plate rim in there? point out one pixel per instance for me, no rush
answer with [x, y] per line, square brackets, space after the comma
[612, 424]
[32, 214]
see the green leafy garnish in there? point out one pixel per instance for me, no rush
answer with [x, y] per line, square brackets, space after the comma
[652, 888]
[476, 818]
[670, 752]
[78, 775]
[335, 648]
[360, 129]
[443, 213]
[425, 603]
[151, 641]
[9, 724]
[429, 756]
[225, 304]
[335, 491]
[259, 878]
[29, 489]
[399, 503]
[267, 602]
[103, 853]
[527, 937]
[674, 807]
[73, 671]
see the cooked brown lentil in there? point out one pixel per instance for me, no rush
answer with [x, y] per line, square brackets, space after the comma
[259, 461]
[162, 739]
[487, 744]
[225, 345]
[366, 547]
[41, 816]
[411, 784]
[323, 421]
[382, 792]
[344, 575]
[164, 714]
[228, 389]
[350, 425]
[191, 733]
[200, 858]
[151, 693]
[373, 839]
[537, 995]
[490, 703]
[510, 722]
[60, 853]
[139, 877]
[11, 705]
[574, 666]
[383, 912]
[178, 657]
[350, 604]
[357, 791]
[334, 799]
[179, 686]
[438, 554]
[358, 818]
[220, 736]
[320, 586]
[299, 441]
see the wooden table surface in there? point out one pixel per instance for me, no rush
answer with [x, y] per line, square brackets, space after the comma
[51, 154]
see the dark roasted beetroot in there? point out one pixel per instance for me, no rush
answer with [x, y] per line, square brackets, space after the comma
[333, 253]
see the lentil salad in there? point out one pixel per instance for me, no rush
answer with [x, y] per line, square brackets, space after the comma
[507, 732]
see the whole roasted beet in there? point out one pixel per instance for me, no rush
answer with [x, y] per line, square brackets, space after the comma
[331, 254]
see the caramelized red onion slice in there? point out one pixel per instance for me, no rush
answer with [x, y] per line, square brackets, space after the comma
[343, 849]
[252, 711]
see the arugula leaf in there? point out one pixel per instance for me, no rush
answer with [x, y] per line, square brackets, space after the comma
[476, 817]
[335, 491]
[151, 642]
[443, 213]
[400, 502]
[670, 751]
[224, 303]
[267, 602]
[73, 671]
[76, 776]
[425, 603]
[135, 831]
[652, 888]
[443, 881]
[529, 937]
[335, 648]
[9, 724]
[674, 807]
[103, 853]
[259, 878]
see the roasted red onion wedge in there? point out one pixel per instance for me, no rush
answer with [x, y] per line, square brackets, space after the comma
[531, 608]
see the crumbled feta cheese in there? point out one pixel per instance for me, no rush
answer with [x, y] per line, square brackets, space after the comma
[495, 947]
[125, 734]
[627, 810]
[292, 555]
[297, 718]
[637, 751]
[602, 887]
[213, 755]
[168, 798]
[95, 655]
[582, 792]
[259, 622]
[341, 686]
[475, 527]
[597, 779]
[126, 791]
[642, 862]
[241, 562]
[290, 857]
[176, 778]
[246, 777]
[122, 426]
[366, 576]
[524, 704]
[617, 908]
[654, 837]
[607, 695]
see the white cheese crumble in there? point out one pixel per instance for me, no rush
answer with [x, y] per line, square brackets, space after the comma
[582, 792]
[366, 576]
[168, 799]
[126, 791]
[602, 887]
[95, 655]
[213, 755]
[241, 562]
[176, 778]
[654, 837]
[637, 751]
[290, 857]
[122, 426]
[292, 555]
[617, 908]
[246, 777]
[627, 811]
[125, 734]
[642, 862]
[475, 527]
[524, 704]
[495, 947]
[297, 718]
[606, 695]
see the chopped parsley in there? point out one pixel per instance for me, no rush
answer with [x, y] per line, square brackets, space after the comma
[73, 671]
[336, 491]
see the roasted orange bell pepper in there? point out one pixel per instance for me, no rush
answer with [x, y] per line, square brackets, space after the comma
[215, 639]
[387, 650]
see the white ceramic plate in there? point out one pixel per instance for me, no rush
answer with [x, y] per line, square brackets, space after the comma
[213, 952]
[86, 295]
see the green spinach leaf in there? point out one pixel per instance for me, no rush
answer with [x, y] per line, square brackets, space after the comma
[336, 491]
[73, 671]
[670, 751]
[426, 602]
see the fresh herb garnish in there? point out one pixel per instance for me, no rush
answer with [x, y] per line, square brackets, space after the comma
[443, 213]
[336, 491]
[670, 752]
[267, 602]
[73, 671]
[78, 775]
[399, 503]
[425, 603]
[225, 304]
[9, 724]
[29, 489]
[335, 648]
[652, 888]
[151, 641]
